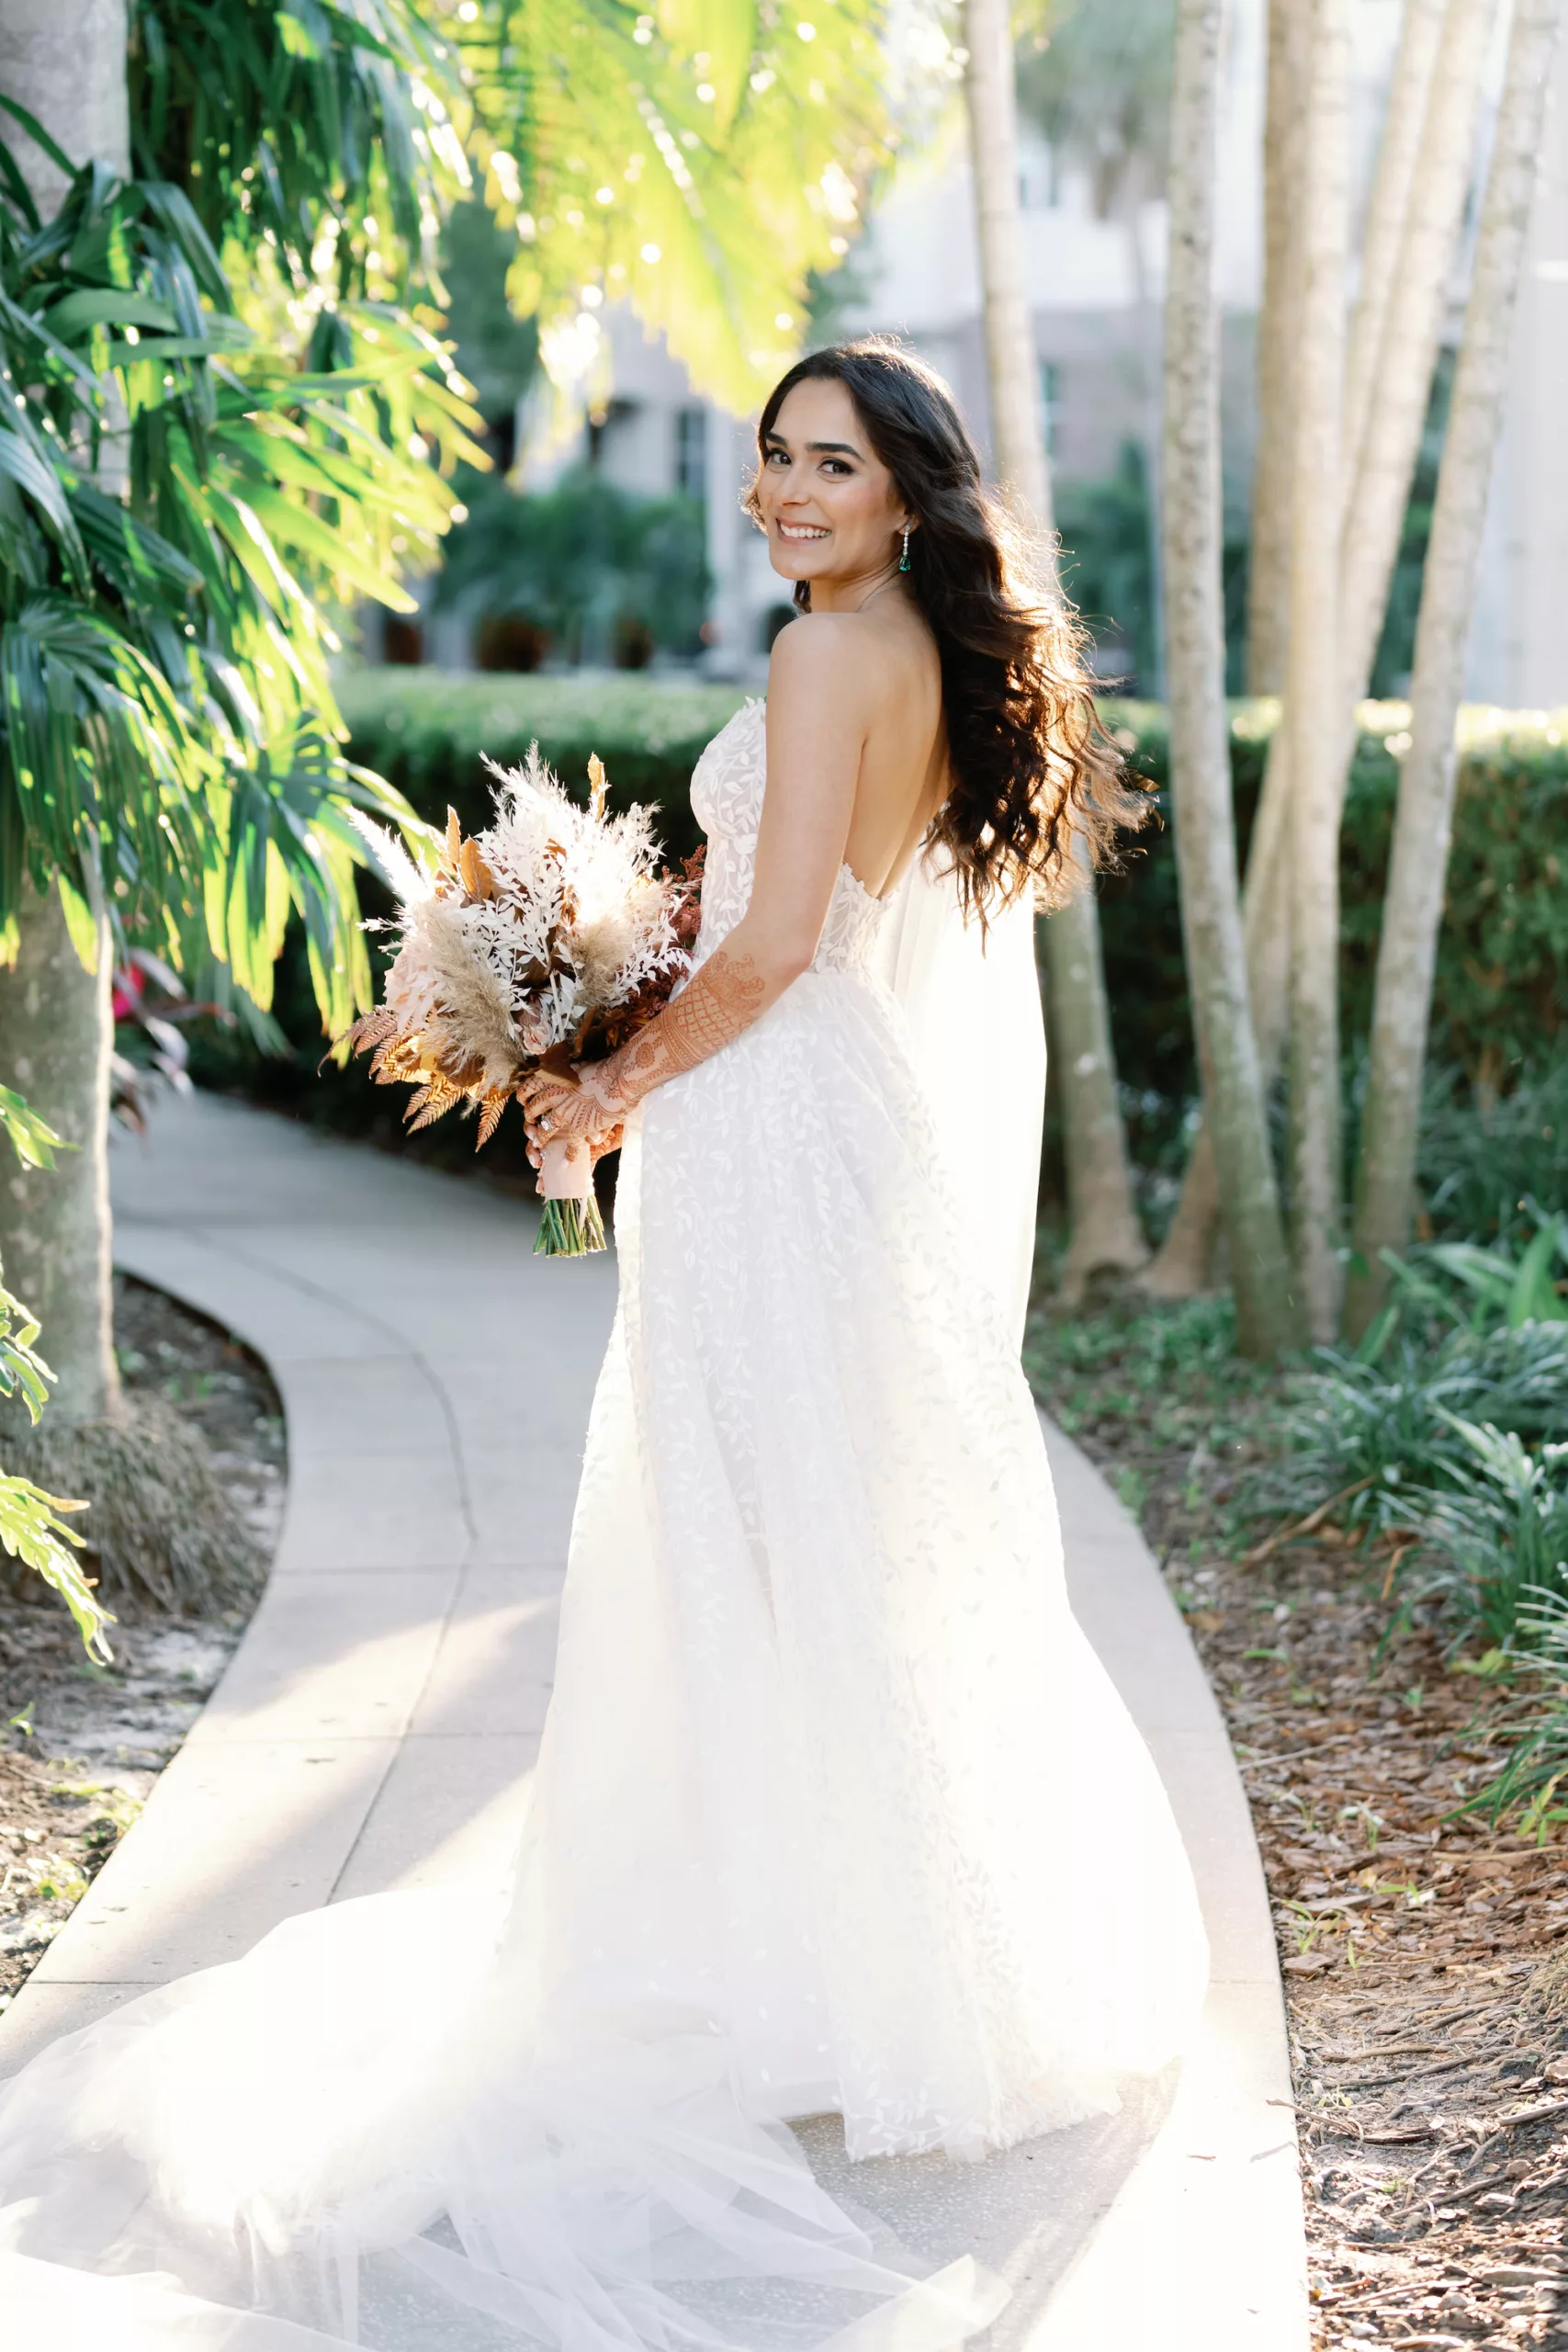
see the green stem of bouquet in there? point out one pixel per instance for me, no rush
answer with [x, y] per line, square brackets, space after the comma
[569, 1229]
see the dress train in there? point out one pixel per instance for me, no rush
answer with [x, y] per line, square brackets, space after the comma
[818, 1824]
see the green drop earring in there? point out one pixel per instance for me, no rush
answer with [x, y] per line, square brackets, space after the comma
[904, 558]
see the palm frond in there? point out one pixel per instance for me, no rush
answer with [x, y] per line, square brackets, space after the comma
[176, 499]
[701, 158]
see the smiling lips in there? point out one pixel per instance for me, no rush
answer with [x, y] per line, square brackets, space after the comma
[801, 531]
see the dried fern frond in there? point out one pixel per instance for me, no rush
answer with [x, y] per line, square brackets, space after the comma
[491, 1110]
[521, 944]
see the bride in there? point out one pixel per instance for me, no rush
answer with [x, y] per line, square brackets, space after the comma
[819, 1821]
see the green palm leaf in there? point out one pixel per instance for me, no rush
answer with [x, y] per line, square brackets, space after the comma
[169, 745]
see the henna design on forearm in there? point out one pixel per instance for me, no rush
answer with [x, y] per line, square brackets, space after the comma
[723, 998]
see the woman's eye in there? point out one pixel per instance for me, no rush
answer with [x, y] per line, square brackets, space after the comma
[775, 457]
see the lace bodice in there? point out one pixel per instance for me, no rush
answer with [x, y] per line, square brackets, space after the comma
[726, 795]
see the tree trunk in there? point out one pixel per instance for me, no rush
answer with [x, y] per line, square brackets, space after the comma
[1313, 675]
[1200, 748]
[1184, 1263]
[64, 61]
[56, 1037]
[1412, 907]
[1268, 568]
[1105, 1229]
[1388, 212]
[1105, 1235]
[1377, 495]
[1413, 186]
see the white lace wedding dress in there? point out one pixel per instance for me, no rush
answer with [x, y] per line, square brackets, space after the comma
[819, 1820]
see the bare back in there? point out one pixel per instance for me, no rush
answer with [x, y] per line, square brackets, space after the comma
[903, 768]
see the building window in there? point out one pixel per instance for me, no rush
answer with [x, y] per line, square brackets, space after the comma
[1050, 401]
[691, 451]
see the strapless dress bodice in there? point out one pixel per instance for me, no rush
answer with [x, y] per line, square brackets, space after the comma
[727, 797]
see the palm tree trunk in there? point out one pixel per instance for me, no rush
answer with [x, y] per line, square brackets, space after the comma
[1268, 566]
[1105, 1229]
[1377, 493]
[1388, 212]
[1183, 1264]
[1412, 906]
[1313, 673]
[1200, 751]
[64, 61]
[1413, 195]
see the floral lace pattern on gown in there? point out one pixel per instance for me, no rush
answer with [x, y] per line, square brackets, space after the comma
[726, 800]
[811, 1826]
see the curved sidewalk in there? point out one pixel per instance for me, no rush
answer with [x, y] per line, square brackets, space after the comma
[378, 1724]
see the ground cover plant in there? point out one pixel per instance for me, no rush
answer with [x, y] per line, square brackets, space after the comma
[1419, 1937]
[81, 1741]
[1371, 1550]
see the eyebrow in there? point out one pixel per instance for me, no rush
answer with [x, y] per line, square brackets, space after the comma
[821, 448]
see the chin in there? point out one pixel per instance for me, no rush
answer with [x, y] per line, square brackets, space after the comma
[798, 563]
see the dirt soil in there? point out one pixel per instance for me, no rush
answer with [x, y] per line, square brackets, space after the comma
[81, 1745]
[1424, 1954]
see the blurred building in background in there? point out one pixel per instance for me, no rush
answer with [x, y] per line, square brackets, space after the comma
[1095, 243]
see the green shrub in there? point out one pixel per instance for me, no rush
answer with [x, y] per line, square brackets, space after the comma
[601, 572]
[1502, 983]
[1538, 1723]
[1383, 1434]
[1460, 1284]
[1500, 1001]
[1442, 1426]
[1483, 1164]
[1493, 1539]
[428, 732]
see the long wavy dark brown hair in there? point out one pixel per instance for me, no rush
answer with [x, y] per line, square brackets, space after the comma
[1032, 769]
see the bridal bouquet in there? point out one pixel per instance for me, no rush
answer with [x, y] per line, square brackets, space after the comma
[548, 939]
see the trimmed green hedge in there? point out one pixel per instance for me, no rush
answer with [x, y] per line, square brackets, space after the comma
[1500, 1001]
[428, 733]
[1502, 988]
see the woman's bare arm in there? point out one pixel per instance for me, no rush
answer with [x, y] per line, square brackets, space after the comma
[818, 713]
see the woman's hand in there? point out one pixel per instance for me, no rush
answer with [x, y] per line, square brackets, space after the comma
[556, 1109]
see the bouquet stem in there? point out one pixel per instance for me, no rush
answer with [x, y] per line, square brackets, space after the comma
[569, 1229]
[571, 1225]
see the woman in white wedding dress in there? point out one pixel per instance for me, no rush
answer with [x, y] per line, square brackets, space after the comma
[819, 1822]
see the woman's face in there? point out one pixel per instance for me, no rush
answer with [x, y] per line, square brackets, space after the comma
[831, 508]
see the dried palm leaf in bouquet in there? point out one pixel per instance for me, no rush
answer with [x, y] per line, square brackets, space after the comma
[547, 939]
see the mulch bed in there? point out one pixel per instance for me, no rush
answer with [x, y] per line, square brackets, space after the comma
[81, 1745]
[1424, 1952]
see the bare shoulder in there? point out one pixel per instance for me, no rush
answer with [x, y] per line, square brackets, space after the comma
[828, 656]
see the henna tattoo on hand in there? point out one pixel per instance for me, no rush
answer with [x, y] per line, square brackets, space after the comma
[723, 998]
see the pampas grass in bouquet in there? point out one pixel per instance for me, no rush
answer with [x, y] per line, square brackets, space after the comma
[546, 940]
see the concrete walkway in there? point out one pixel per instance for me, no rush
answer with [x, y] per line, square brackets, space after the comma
[378, 1726]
